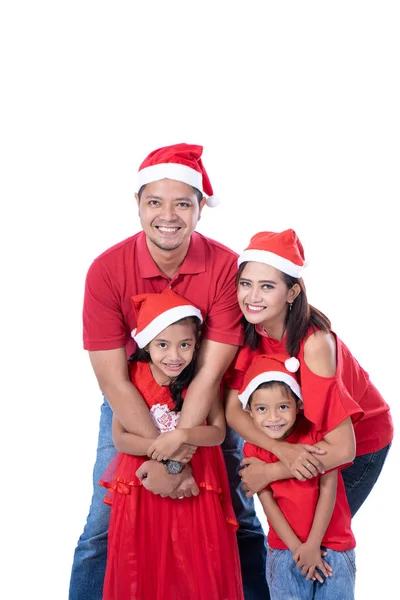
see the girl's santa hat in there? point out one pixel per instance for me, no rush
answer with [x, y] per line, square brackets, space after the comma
[156, 312]
[283, 251]
[181, 162]
[265, 368]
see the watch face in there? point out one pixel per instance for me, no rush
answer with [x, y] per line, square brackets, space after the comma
[174, 467]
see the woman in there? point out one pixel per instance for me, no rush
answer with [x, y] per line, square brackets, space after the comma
[278, 318]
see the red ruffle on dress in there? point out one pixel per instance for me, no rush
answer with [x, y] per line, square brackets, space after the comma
[164, 549]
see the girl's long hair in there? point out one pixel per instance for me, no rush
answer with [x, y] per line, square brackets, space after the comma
[181, 382]
[299, 318]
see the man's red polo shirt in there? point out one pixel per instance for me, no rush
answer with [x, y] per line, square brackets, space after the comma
[206, 278]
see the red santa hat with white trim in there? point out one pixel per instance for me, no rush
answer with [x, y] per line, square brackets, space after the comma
[265, 368]
[156, 312]
[181, 162]
[283, 251]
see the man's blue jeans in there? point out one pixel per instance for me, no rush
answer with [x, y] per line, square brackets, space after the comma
[286, 581]
[89, 564]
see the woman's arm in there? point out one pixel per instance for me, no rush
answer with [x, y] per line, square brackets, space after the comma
[338, 444]
[213, 434]
[297, 457]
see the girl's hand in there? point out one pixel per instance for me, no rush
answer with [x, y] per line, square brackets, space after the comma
[185, 453]
[166, 445]
[254, 476]
[300, 459]
[308, 558]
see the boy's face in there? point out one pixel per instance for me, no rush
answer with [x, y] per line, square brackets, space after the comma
[274, 411]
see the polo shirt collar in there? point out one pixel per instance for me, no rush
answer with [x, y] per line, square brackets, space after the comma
[195, 261]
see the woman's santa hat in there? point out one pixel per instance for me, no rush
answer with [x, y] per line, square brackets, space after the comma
[265, 368]
[181, 162]
[283, 251]
[156, 312]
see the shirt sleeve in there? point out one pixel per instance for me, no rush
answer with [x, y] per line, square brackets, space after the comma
[103, 323]
[327, 403]
[224, 320]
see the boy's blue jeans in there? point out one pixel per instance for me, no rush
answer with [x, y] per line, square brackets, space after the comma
[286, 582]
[89, 564]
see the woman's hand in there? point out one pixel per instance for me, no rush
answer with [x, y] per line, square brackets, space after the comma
[255, 475]
[166, 445]
[300, 459]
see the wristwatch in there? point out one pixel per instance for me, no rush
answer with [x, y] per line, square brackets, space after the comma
[173, 466]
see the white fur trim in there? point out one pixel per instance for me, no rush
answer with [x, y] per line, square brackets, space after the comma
[269, 258]
[171, 171]
[163, 321]
[292, 364]
[264, 378]
[213, 201]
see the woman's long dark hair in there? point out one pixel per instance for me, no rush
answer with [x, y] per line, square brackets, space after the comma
[299, 318]
[181, 382]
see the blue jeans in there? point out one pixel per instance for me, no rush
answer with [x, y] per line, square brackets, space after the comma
[361, 476]
[286, 581]
[90, 556]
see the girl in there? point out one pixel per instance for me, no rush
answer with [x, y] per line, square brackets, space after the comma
[278, 319]
[166, 548]
[311, 545]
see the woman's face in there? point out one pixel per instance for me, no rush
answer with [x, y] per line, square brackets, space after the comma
[263, 295]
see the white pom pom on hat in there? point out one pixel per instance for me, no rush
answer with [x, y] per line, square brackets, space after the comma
[292, 364]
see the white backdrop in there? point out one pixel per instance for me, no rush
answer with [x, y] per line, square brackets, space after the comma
[296, 104]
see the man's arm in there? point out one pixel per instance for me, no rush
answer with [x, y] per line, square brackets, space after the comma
[111, 370]
[213, 361]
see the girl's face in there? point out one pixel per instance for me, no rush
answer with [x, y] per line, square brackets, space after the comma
[263, 295]
[274, 411]
[172, 350]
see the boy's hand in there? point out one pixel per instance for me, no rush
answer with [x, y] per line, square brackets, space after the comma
[166, 445]
[308, 558]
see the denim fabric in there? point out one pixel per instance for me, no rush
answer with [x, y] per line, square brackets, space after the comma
[361, 476]
[90, 556]
[287, 583]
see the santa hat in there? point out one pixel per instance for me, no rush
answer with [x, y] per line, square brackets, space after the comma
[283, 251]
[181, 162]
[156, 312]
[266, 368]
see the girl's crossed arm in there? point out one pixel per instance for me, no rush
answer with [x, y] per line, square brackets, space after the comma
[213, 434]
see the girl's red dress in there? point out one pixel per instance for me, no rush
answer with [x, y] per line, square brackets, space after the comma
[164, 549]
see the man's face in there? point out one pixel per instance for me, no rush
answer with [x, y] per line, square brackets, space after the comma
[169, 211]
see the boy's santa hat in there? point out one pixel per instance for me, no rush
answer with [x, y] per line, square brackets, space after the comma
[181, 162]
[266, 368]
[156, 312]
[283, 251]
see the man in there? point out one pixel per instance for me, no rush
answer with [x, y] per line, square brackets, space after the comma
[173, 188]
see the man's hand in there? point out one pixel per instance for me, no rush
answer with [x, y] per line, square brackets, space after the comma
[308, 558]
[255, 475]
[187, 486]
[166, 445]
[154, 477]
[300, 459]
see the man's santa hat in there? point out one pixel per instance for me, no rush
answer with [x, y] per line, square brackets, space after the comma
[283, 251]
[156, 312]
[265, 368]
[181, 162]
